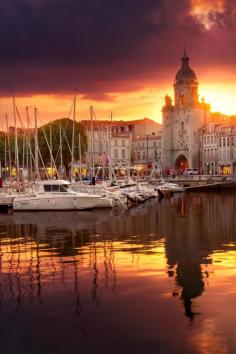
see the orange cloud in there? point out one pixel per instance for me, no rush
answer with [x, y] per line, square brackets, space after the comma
[206, 10]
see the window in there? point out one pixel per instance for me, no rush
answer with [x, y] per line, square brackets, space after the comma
[64, 188]
[138, 155]
[212, 139]
[123, 142]
[116, 143]
[115, 153]
[51, 188]
[123, 153]
[181, 100]
[100, 146]
[56, 188]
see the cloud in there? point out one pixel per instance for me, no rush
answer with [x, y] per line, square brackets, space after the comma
[101, 46]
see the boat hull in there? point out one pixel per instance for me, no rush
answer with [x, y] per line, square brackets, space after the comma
[61, 203]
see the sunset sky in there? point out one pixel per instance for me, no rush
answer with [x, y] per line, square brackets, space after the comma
[120, 56]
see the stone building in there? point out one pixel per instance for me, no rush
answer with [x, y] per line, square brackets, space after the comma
[182, 121]
[121, 146]
[115, 141]
[147, 149]
[218, 149]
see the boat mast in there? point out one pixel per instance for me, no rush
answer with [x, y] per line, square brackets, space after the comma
[61, 153]
[80, 158]
[36, 152]
[29, 157]
[5, 153]
[109, 150]
[73, 137]
[92, 142]
[50, 141]
[9, 148]
[16, 141]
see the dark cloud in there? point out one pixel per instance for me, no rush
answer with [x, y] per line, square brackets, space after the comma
[102, 46]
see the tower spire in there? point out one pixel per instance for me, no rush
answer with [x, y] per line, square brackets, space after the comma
[185, 58]
[185, 51]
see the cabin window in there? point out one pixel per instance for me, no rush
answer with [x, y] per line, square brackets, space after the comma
[51, 188]
[55, 188]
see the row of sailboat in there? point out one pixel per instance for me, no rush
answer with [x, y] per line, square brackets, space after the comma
[56, 193]
[60, 195]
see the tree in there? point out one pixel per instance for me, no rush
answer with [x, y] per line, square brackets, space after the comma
[66, 128]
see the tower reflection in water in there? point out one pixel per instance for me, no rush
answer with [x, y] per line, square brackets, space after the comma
[43, 253]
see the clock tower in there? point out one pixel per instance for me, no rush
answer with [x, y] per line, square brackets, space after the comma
[182, 121]
[186, 86]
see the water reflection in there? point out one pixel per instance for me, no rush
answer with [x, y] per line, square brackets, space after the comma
[95, 260]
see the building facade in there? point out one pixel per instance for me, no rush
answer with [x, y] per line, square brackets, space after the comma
[115, 141]
[218, 149]
[147, 149]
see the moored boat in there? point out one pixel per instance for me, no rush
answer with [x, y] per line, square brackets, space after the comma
[58, 195]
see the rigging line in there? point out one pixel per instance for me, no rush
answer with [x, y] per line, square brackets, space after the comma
[27, 140]
[32, 155]
[51, 155]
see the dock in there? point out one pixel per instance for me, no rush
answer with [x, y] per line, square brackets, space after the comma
[212, 186]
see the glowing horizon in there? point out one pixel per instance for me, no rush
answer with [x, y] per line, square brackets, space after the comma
[125, 106]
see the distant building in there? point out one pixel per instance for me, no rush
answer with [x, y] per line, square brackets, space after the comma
[147, 148]
[218, 149]
[115, 140]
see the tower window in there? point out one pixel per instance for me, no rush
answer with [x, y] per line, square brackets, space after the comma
[181, 100]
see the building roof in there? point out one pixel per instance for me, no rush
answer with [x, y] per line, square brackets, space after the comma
[99, 123]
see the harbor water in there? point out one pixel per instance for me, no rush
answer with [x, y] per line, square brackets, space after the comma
[158, 278]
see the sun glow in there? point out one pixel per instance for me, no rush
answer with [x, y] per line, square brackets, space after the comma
[220, 96]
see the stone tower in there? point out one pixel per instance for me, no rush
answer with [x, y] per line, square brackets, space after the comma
[182, 121]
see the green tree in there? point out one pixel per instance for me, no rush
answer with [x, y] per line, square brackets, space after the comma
[66, 128]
